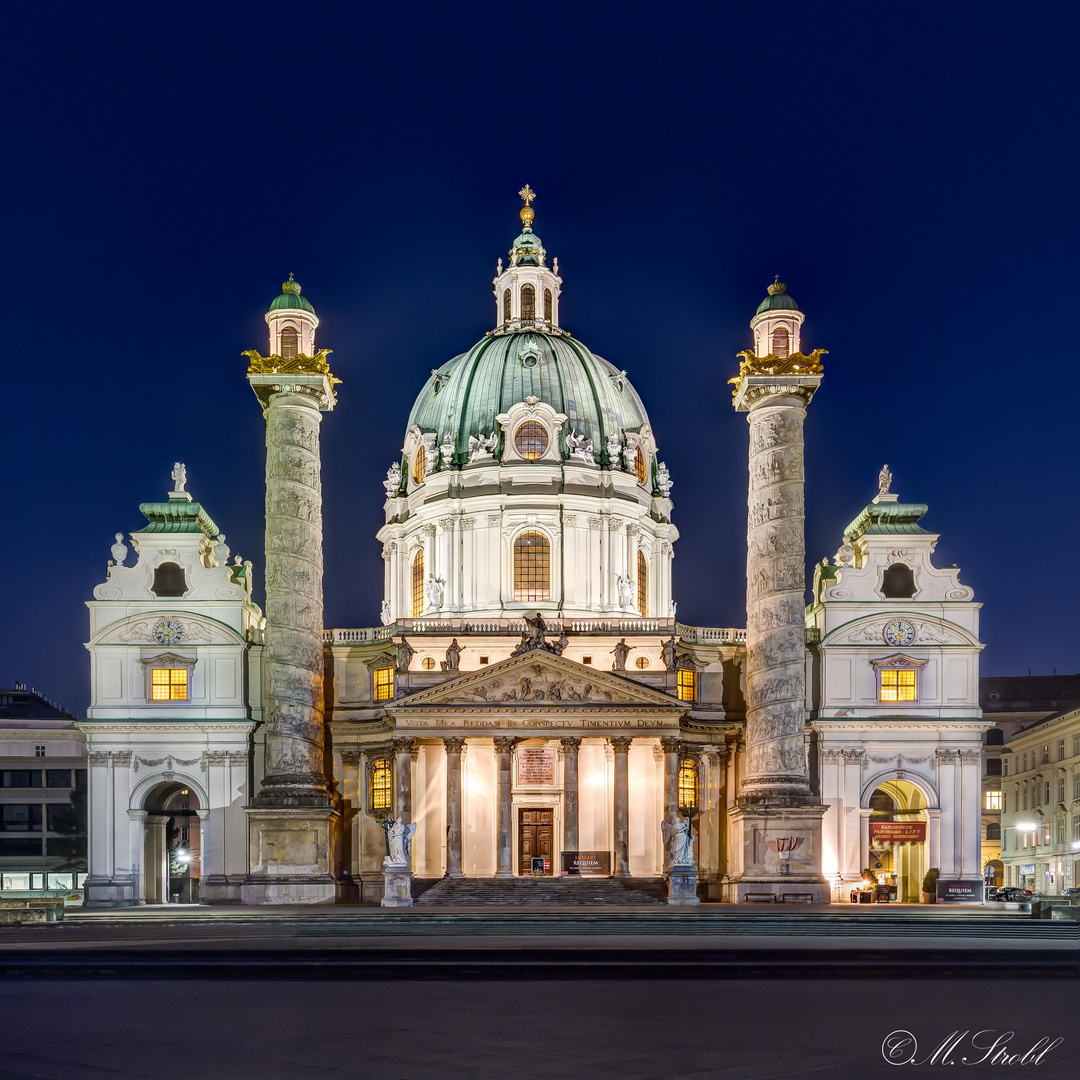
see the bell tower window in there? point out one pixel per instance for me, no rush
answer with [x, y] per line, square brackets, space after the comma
[528, 303]
[639, 466]
[780, 343]
[506, 305]
[419, 465]
[898, 582]
[289, 345]
[418, 584]
[548, 306]
[532, 567]
[642, 585]
[169, 580]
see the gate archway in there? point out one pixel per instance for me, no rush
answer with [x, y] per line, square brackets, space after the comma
[172, 841]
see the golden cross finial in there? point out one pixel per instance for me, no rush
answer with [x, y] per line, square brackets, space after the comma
[527, 194]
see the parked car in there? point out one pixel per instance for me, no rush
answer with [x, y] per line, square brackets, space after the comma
[1011, 894]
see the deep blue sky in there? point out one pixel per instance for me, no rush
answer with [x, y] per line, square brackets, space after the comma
[909, 170]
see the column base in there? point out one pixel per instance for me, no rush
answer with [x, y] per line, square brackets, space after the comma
[759, 870]
[291, 853]
[221, 889]
[106, 892]
[397, 890]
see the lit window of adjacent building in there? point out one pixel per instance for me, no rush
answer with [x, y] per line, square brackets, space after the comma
[642, 585]
[688, 784]
[288, 343]
[419, 464]
[418, 584]
[528, 302]
[384, 683]
[168, 684]
[381, 785]
[531, 440]
[995, 800]
[1061, 749]
[532, 567]
[640, 468]
[687, 685]
[898, 684]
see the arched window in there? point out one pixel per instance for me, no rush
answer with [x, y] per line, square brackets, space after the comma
[898, 582]
[993, 830]
[381, 785]
[506, 305]
[688, 784]
[531, 440]
[528, 302]
[419, 464]
[780, 343]
[418, 584]
[640, 467]
[169, 580]
[532, 567]
[547, 305]
[642, 585]
[288, 343]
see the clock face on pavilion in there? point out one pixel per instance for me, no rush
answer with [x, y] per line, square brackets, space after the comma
[169, 632]
[899, 632]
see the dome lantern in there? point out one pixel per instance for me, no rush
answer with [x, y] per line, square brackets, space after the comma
[292, 322]
[777, 323]
[527, 291]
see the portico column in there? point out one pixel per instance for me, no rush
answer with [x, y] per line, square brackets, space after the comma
[504, 750]
[670, 746]
[157, 872]
[621, 745]
[570, 746]
[403, 750]
[453, 749]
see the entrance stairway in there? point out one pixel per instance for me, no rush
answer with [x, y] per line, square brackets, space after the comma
[540, 891]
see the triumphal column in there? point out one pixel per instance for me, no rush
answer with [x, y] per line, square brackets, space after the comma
[293, 820]
[777, 820]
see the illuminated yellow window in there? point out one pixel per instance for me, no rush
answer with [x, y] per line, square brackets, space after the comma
[531, 440]
[506, 305]
[642, 584]
[780, 345]
[995, 800]
[168, 684]
[428, 663]
[642, 662]
[687, 685]
[384, 683]
[382, 785]
[419, 464]
[547, 304]
[688, 784]
[640, 467]
[532, 567]
[897, 684]
[418, 584]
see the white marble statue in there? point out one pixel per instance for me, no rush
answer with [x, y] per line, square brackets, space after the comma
[446, 451]
[393, 480]
[626, 591]
[884, 480]
[614, 448]
[384, 613]
[119, 550]
[679, 836]
[498, 268]
[399, 837]
[179, 476]
[481, 446]
[846, 555]
[221, 550]
[663, 480]
[434, 590]
[580, 446]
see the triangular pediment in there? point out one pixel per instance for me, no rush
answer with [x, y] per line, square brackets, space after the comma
[540, 677]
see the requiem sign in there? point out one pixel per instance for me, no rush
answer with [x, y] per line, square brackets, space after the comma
[536, 765]
[897, 832]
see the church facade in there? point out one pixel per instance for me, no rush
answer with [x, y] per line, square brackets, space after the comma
[529, 699]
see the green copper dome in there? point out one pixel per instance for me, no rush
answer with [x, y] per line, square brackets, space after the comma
[290, 298]
[464, 396]
[777, 300]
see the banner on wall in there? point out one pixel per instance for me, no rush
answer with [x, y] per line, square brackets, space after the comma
[897, 832]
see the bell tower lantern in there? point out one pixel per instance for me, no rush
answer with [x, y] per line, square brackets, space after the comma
[292, 322]
[777, 323]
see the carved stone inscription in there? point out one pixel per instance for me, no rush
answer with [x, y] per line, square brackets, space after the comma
[775, 583]
[293, 657]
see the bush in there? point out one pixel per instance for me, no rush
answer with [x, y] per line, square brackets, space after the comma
[929, 883]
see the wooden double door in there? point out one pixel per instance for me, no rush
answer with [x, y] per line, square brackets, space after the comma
[536, 839]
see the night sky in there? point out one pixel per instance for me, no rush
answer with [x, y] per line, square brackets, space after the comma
[908, 170]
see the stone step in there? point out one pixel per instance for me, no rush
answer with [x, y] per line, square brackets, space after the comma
[550, 892]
